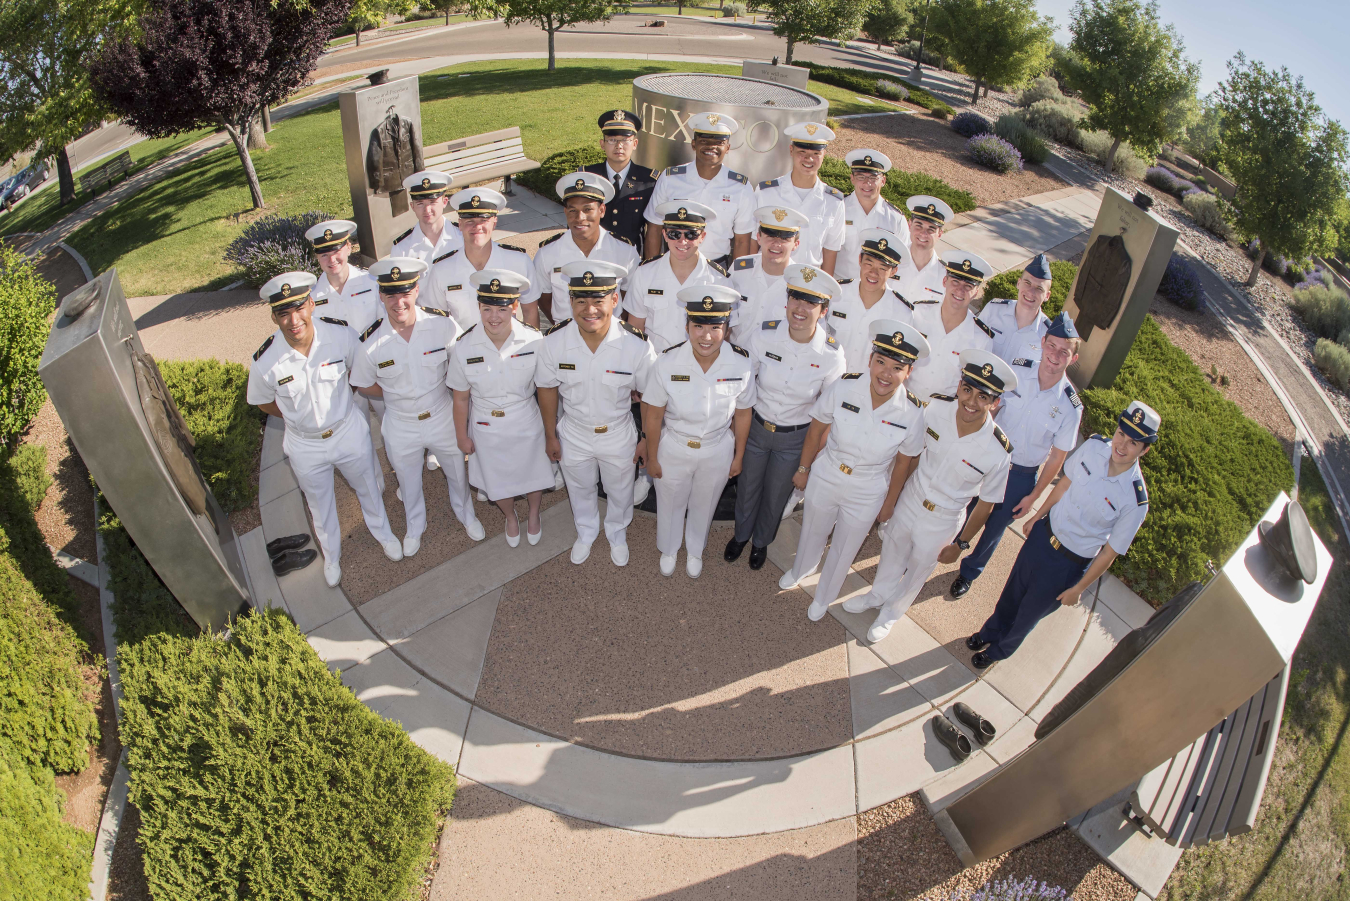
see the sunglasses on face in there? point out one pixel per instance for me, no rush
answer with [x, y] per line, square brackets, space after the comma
[688, 234]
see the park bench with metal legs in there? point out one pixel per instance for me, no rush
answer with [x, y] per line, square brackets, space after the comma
[496, 154]
[103, 176]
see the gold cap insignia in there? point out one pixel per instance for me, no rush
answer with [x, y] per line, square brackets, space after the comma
[495, 284]
[987, 370]
[868, 159]
[328, 234]
[712, 118]
[587, 278]
[898, 338]
[1138, 416]
[881, 245]
[682, 213]
[932, 209]
[779, 215]
[808, 274]
[475, 200]
[812, 128]
[581, 183]
[426, 182]
[965, 265]
[286, 290]
[395, 272]
[707, 303]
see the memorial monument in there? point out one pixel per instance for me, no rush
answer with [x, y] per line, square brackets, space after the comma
[382, 140]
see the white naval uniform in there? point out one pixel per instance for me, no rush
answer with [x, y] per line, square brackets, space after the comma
[1035, 421]
[415, 244]
[918, 285]
[790, 376]
[850, 322]
[596, 425]
[1017, 347]
[1098, 509]
[418, 414]
[932, 506]
[323, 430]
[448, 288]
[728, 194]
[940, 373]
[358, 303]
[509, 458]
[823, 207]
[652, 290]
[850, 476]
[883, 215]
[559, 250]
[697, 443]
[759, 290]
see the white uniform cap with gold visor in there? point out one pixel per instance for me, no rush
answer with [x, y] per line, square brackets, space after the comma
[709, 304]
[584, 184]
[685, 214]
[426, 184]
[477, 202]
[884, 245]
[780, 222]
[811, 284]
[716, 125]
[868, 160]
[330, 235]
[588, 278]
[967, 266]
[397, 275]
[499, 287]
[898, 340]
[811, 135]
[986, 371]
[934, 209]
[287, 291]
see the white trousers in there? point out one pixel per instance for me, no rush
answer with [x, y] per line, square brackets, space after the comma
[608, 455]
[846, 504]
[406, 442]
[691, 483]
[349, 451]
[909, 548]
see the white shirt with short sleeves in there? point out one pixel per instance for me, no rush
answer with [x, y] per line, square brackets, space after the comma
[728, 194]
[700, 405]
[556, 252]
[1037, 421]
[448, 288]
[595, 387]
[1017, 347]
[864, 439]
[790, 376]
[952, 469]
[652, 290]
[358, 303]
[850, 322]
[311, 391]
[883, 215]
[411, 373]
[1098, 509]
[761, 291]
[416, 245]
[940, 372]
[823, 207]
[918, 285]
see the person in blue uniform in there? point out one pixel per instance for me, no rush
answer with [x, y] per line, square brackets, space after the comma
[633, 184]
[1041, 418]
[1090, 519]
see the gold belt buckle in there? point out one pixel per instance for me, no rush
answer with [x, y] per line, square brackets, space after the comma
[846, 469]
[929, 506]
[327, 434]
[695, 444]
[499, 413]
[421, 416]
[1054, 543]
[770, 426]
[601, 429]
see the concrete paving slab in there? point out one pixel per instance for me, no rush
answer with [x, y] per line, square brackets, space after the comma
[273, 434]
[880, 699]
[1085, 203]
[922, 662]
[1040, 227]
[1013, 741]
[986, 240]
[451, 650]
[345, 642]
[227, 325]
[939, 793]
[276, 480]
[309, 600]
[1124, 603]
[262, 581]
[379, 680]
[433, 718]
[708, 800]
[1104, 631]
[1145, 861]
[985, 700]
[1026, 675]
[901, 762]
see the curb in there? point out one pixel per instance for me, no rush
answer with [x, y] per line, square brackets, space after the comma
[115, 804]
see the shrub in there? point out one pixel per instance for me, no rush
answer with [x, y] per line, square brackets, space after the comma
[1199, 182]
[228, 432]
[1275, 264]
[1056, 121]
[1062, 275]
[863, 81]
[892, 90]
[1162, 179]
[992, 151]
[1043, 88]
[274, 244]
[1324, 310]
[910, 50]
[731, 10]
[1206, 212]
[41, 857]
[253, 765]
[542, 180]
[970, 123]
[23, 481]
[940, 112]
[1094, 143]
[26, 300]
[29, 465]
[1013, 130]
[1314, 276]
[900, 186]
[1181, 284]
[1127, 163]
[1334, 360]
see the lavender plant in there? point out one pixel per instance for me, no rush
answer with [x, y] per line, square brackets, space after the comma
[969, 124]
[994, 152]
[273, 245]
[1027, 889]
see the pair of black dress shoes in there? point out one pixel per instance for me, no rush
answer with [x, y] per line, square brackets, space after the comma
[757, 554]
[954, 739]
[286, 555]
[981, 660]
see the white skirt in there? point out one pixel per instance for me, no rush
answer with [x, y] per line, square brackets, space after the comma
[508, 459]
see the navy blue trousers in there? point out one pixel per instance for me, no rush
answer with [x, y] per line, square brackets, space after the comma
[1030, 594]
[1020, 483]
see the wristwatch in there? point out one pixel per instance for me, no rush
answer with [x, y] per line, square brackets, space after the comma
[961, 543]
[801, 469]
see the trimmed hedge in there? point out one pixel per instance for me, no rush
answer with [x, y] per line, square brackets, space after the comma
[258, 774]
[900, 186]
[542, 180]
[211, 395]
[1061, 273]
[26, 300]
[41, 858]
[864, 81]
[23, 482]
[1031, 145]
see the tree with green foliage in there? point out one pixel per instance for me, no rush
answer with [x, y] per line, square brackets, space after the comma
[445, 6]
[887, 21]
[550, 15]
[805, 21]
[368, 14]
[1130, 70]
[995, 41]
[42, 858]
[1202, 134]
[46, 100]
[1288, 159]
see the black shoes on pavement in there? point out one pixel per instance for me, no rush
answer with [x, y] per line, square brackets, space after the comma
[733, 551]
[975, 643]
[278, 546]
[983, 729]
[951, 737]
[757, 556]
[982, 661]
[959, 587]
[286, 555]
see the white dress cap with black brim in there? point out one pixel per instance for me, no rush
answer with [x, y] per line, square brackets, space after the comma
[499, 287]
[967, 266]
[593, 277]
[709, 304]
[477, 202]
[868, 160]
[397, 275]
[811, 284]
[287, 290]
[330, 234]
[1140, 422]
[898, 340]
[427, 184]
[986, 371]
[884, 245]
[811, 135]
[781, 222]
[682, 213]
[715, 125]
[586, 185]
[934, 209]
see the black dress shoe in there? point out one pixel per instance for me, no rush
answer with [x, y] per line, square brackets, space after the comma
[733, 551]
[278, 546]
[952, 738]
[975, 643]
[290, 561]
[981, 661]
[959, 587]
[983, 729]
[757, 556]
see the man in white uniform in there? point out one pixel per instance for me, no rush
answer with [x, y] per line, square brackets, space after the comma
[950, 326]
[803, 191]
[868, 298]
[403, 360]
[865, 208]
[303, 379]
[729, 194]
[651, 301]
[343, 291]
[1019, 324]
[448, 286]
[921, 276]
[433, 236]
[759, 277]
[594, 362]
[965, 455]
[584, 195]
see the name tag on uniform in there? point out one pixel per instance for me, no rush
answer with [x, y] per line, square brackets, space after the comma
[773, 356]
[454, 287]
[850, 407]
[557, 269]
[567, 366]
[475, 360]
[848, 221]
[386, 363]
[935, 435]
[655, 291]
[289, 378]
[679, 378]
[436, 350]
[321, 302]
[839, 314]
[1021, 361]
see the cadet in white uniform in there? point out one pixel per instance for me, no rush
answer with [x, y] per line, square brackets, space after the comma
[303, 379]
[870, 296]
[950, 326]
[921, 275]
[1090, 519]
[403, 359]
[865, 208]
[795, 359]
[448, 286]
[594, 362]
[698, 402]
[1019, 325]
[875, 428]
[965, 455]
[492, 368]
[802, 190]
[729, 194]
[433, 236]
[584, 197]
[760, 277]
[651, 299]
[343, 291]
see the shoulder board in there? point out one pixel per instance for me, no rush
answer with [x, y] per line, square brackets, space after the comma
[1140, 492]
[1002, 438]
[851, 375]
[984, 328]
[914, 399]
[743, 263]
[548, 241]
[557, 325]
[771, 183]
[947, 397]
[432, 310]
[521, 321]
[262, 350]
[834, 192]
[845, 281]
[934, 302]
[472, 327]
[674, 346]
[370, 329]
[633, 330]
[404, 235]
[1073, 396]
[1096, 437]
[718, 268]
[901, 298]
[676, 170]
[736, 176]
[769, 325]
[623, 239]
[445, 256]
[332, 320]
[513, 247]
[829, 339]
[740, 350]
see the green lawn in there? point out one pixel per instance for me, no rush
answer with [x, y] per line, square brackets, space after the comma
[710, 11]
[346, 39]
[170, 239]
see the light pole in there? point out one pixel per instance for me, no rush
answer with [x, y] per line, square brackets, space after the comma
[917, 72]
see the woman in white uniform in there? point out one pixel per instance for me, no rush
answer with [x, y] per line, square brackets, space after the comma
[871, 430]
[497, 421]
[698, 400]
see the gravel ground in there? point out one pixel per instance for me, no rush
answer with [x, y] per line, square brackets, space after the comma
[66, 516]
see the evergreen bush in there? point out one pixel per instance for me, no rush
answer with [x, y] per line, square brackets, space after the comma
[543, 180]
[1334, 361]
[1055, 120]
[142, 605]
[1162, 179]
[863, 81]
[1012, 129]
[275, 244]
[1043, 88]
[26, 300]
[1324, 310]
[968, 124]
[1181, 284]
[29, 466]
[23, 481]
[900, 186]
[1207, 213]
[732, 10]
[41, 858]
[992, 151]
[892, 90]
[211, 395]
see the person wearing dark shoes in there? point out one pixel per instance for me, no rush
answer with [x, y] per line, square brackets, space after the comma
[733, 550]
[757, 556]
[952, 738]
[290, 561]
[975, 643]
[285, 543]
[982, 661]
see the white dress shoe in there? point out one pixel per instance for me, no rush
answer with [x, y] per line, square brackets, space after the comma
[618, 554]
[332, 573]
[411, 545]
[581, 550]
[667, 564]
[792, 503]
[693, 566]
[477, 532]
[432, 463]
[862, 602]
[482, 496]
[398, 493]
[533, 537]
[881, 628]
[393, 549]
[513, 541]
[788, 581]
[816, 611]
[641, 488]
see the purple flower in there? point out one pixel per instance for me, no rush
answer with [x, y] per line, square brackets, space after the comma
[994, 152]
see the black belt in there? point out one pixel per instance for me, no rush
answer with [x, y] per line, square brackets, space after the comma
[1059, 546]
[775, 427]
[1017, 467]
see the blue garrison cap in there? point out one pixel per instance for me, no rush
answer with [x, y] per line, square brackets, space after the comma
[1039, 268]
[1061, 327]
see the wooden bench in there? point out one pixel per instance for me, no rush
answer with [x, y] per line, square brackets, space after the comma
[102, 177]
[496, 154]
